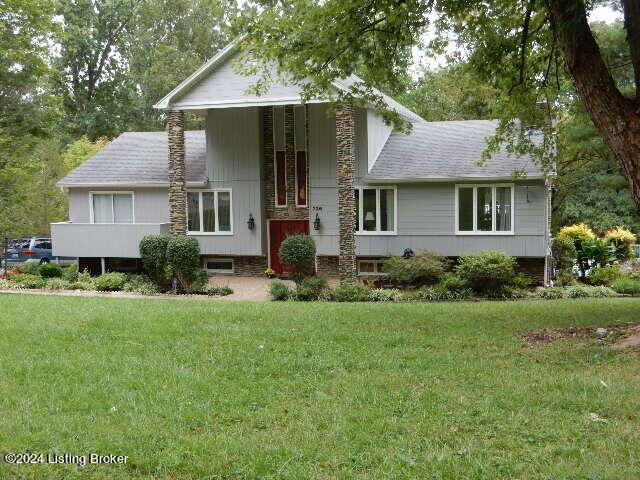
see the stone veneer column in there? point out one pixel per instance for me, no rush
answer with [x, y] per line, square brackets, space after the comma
[177, 181]
[345, 149]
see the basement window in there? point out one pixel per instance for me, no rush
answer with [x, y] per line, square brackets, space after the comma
[219, 265]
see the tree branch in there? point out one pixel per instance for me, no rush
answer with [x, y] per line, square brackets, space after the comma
[523, 43]
[632, 26]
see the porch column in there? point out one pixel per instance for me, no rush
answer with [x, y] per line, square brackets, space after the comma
[177, 182]
[345, 149]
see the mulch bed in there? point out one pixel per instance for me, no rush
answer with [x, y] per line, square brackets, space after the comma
[619, 334]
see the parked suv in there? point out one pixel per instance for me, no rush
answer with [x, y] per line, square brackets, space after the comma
[37, 249]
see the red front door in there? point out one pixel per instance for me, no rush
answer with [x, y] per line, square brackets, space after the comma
[278, 231]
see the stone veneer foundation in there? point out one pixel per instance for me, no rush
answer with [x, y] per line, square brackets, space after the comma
[245, 266]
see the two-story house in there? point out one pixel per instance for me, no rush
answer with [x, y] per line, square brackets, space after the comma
[268, 166]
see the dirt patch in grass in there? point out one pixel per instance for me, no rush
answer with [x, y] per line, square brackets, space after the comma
[619, 335]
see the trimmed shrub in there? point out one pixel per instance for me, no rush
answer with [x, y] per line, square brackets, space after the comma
[604, 275]
[627, 286]
[153, 252]
[279, 291]
[487, 271]
[31, 268]
[549, 293]
[423, 269]
[50, 270]
[385, 295]
[219, 291]
[310, 289]
[564, 253]
[351, 292]
[28, 280]
[70, 273]
[110, 282]
[622, 240]
[298, 252]
[183, 257]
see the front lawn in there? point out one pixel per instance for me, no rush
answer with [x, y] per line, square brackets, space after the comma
[195, 389]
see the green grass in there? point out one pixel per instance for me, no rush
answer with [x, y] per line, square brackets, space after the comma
[228, 390]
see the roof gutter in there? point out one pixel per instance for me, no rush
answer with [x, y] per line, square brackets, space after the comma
[125, 184]
[509, 178]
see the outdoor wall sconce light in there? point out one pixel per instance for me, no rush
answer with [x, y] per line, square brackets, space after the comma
[251, 223]
[316, 223]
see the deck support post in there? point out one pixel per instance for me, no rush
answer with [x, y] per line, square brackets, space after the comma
[345, 152]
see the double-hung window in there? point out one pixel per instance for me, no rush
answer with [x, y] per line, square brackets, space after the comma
[484, 209]
[111, 207]
[376, 210]
[209, 211]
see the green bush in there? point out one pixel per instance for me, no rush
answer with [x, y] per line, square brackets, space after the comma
[7, 284]
[279, 291]
[141, 284]
[310, 288]
[351, 292]
[487, 271]
[604, 275]
[627, 286]
[58, 284]
[507, 293]
[298, 252]
[424, 269]
[219, 291]
[521, 281]
[110, 282]
[28, 280]
[385, 295]
[564, 253]
[183, 257]
[549, 293]
[153, 252]
[199, 282]
[595, 251]
[50, 270]
[565, 277]
[453, 282]
[439, 293]
[31, 268]
[70, 273]
[585, 291]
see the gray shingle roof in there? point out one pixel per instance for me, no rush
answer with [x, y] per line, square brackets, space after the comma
[139, 158]
[447, 150]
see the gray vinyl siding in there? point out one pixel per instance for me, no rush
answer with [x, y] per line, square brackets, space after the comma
[151, 205]
[234, 158]
[225, 85]
[426, 221]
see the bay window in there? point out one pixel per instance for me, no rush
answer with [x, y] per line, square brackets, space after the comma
[484, 209]
[209, 211]
[111, 207]
[376, 210]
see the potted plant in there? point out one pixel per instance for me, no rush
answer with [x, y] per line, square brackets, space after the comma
[270, 273]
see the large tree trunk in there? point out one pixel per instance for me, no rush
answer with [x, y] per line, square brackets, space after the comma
[617, 117]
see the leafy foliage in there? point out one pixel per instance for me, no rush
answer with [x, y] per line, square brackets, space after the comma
[279, 291]
[153, 252]
[50, 270]
[219, 291]
[627, 286]
[423, 269]
[298, 252]
[622, 240]
[183, 257]
[564, 252]
[351, 292]
[604, 275]
[28, 280]
[487, 271]
[310, 288]
[110, 282]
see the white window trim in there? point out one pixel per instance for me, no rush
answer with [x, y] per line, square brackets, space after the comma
[493, 211]
[377, 231]
[219, 259]
[376, 273]
[112, 192]
[215, 206]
